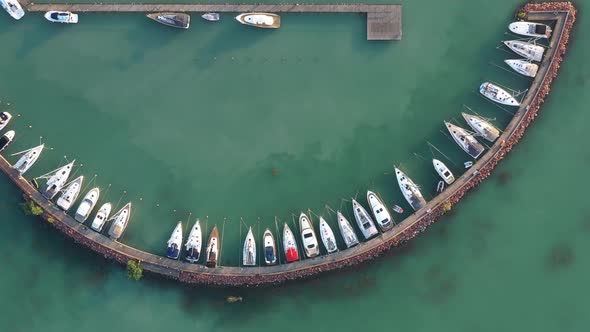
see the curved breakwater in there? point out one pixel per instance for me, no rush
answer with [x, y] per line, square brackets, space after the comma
[564, 16]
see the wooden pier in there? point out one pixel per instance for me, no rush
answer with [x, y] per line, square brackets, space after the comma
[384, 22]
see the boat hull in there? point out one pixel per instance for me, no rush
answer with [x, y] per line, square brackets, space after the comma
[6, 139]
[523, 67]
[465, 140]
[70, 195]
[260, 20]
[249, 251]
[174, 20]
[28, 159]
[310, 240]
[327, 235]
[194, 243]
[213, 249]
[526, 50]
[120, 223]
[530, 29]
[63, 17]
[363, 220]
[382, 216]
[443, 171]
[174, 243]
[290, 245]
[101, 217]
[88, 203]
[409, 190]
[13, 8]
[270, 248]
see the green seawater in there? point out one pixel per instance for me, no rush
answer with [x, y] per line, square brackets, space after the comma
[193, 123]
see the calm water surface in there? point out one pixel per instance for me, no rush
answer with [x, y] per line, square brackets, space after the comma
[194, 123]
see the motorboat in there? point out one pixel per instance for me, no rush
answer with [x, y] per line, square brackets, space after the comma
[363, 220]
[4, 118]
[270, 248]
[497, 94]
[260, 20]
[175, 20]
[249, 251]
[523, 67]
[28, 159]
[530, 29]
[410, 190]
[57, 180]
[327, 236]
[212, 257]
[70, 194]
[310, 240]
[380, 212]
[56, 16]
[6, 139]
[346, 230]
[101, 217]
[481, 126]
[211, 17]
[174, 242]
[443, 171]
[13, 8]
[440, 186]
[398, 209]
[468, 164]
[194, 243]
[524, 49]
[465, 140]
[120, 222]
[290, 245]
[88, 203]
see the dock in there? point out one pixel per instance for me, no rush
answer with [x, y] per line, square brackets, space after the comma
[384, 22]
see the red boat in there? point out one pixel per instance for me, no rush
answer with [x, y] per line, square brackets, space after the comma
[290, 245]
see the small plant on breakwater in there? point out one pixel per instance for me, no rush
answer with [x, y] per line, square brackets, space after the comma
[447, 206]
[521, 15]
[50, 220]
[134, 270]
[30, 208]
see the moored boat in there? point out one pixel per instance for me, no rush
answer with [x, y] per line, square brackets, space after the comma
[482, 127]
[6, 139]
[13, 8]
[212, 257]
[194, 243]
[174, 242]
[260, 20]
[270, 248]
[28, 159]
[363, 220]
[290, 245]
[4, 119]
[497, 94]
[465, 140]
[57, 16]
[88, 203]
[398, 209]
[57, 180]
[327, 236]
[175, 20]
[346, 230]
[530, 29]
[308, 237]
[380, 212]
[410, 190]
[211, 16]
[443, 171]
[120, 222]
[70, 194]
[249, 251]
[101, 217]
[524, 49]
[523, 67]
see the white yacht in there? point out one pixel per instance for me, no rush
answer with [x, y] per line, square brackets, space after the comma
[4, 118]
[348, 234]
[212, 258]
[194, 243]
[363, 220]
[28, 159]
[174, 242]
[260, 20]
[310, 240]
[327, 235]
[443, 171]
[270, 248]
[524, 49]
[530, 29]
[290, 245]
[88, 203]
[481, 126]
[497, 94]
[120, 222]
[13, 8]
[6, 139]
[57, 180]
[410, 190]
[249, 251]
[211, 17]
[523, 67]
[465, 140]
[380, 212]
[70, 194]
[101, 217]
[57, 16]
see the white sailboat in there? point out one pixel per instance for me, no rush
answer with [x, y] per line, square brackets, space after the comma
[249, 251]
[6, 139]
[497, 94]
[101, 217]
[465, 140]
[443, 171]
[310, 240]
[174, 242]
[346, 230]
[270, 248]
[57, 180]
[410, 190]
[88, 203]
[380, 212]
[70, 194]
[4, 118]
[526, 50]
[194, 243]
[523, 67]
[327, 235]
[290, 245]
[363, 220]
[120, 221]
[530, 29]
[13, 8]
[483, 127]
[28, 159]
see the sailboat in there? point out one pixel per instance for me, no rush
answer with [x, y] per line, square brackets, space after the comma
[289, 245]
[194, 243]
[4, 118]
[175, 242]
[28, 159]
[483, 127]
[346, 230]
[120, 222]
[497, 94]
[524, 49]
[363, 220]
[382, 215]
[249, 251]
[410, 190]
[465, 140]
[175, 20]
[443, 171]
[101, 217]
[310, 240]
[88, 203]
[57, 180]
[70, 194]
[270, 248]
[523, 67]
[6, 139]
[327, 236]
[213, 249]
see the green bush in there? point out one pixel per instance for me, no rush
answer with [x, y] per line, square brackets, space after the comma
[134, 270]
[50, 220]
[30, 208]
[521, 15]
[447, 207]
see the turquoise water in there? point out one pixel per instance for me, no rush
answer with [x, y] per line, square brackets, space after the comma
[195, 122]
